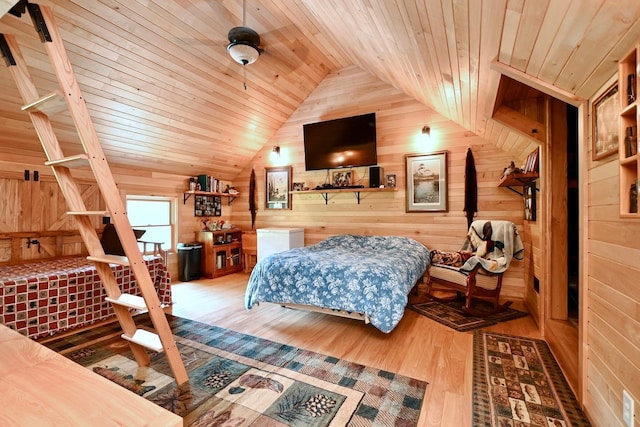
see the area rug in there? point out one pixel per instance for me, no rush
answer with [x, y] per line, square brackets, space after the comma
[451, 314]
[517, 382]
[241, 380]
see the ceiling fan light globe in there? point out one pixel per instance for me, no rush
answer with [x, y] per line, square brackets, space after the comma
[243, 53]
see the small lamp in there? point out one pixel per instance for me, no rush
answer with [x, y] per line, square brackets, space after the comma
[276, 150]
[426, 130]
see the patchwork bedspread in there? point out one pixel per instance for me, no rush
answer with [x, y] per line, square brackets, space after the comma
[42, 298]
[372, 275]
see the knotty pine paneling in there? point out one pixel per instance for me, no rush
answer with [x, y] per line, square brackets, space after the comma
[30, 206]
[612, 298]
[399, 121]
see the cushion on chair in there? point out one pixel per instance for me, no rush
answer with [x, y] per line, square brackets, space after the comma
[455, 275]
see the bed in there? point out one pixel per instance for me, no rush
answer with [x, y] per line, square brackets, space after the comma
[42, 298]
[365, 276]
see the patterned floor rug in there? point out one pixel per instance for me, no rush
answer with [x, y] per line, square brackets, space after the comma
[451, 314]
[241, 380]
[517, 382]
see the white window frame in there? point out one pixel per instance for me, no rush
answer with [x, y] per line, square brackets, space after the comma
[173, 220]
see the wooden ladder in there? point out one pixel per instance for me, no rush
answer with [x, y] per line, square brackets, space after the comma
[70, 97]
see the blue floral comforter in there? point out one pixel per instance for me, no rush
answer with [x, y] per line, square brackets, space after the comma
[372, 275]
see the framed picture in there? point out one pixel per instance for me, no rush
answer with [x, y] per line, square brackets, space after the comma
[390, 181]
[529, 195]
[298, 186]
[207, 206]
[341, 178]
[605, 117]
[427, 182]
[277, 188]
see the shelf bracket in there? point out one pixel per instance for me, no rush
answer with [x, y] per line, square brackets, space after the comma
[325, 196]
[185, 197]
[230, 200]
[517, 192]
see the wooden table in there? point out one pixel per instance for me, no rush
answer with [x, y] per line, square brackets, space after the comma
[42, 388]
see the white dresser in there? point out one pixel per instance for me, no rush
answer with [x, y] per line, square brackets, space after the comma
[273, 240]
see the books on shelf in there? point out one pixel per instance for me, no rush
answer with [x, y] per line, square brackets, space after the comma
[209, 184]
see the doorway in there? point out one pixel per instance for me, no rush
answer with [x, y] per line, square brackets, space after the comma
[573, 217]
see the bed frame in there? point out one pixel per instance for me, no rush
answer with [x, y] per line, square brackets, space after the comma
[331, 311]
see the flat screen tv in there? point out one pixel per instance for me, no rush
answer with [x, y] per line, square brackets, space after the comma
[340, 143]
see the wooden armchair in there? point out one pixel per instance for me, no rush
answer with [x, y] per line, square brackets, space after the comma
[476, 270]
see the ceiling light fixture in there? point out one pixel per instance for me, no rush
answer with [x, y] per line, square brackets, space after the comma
[243, 45]
[276, 149]
[426, 130]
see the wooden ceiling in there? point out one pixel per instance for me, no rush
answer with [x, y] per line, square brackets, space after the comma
[165, 95]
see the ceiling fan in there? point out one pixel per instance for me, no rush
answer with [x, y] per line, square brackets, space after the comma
[244, 43]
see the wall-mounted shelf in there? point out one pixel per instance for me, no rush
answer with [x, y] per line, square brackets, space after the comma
[356, 191]
[518, 180]
[188, 194]
[627, 146]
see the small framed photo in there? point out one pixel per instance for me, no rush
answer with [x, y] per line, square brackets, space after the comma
[277, 188]
[390, 181]
[606, 128]
[530, 201]
[298, 186]
[427, 182]
[341, 178]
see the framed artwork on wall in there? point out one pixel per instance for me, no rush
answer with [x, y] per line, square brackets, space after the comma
[427, 182]
[278, 188]
[605, 118]
[529, 194]
[207, 206]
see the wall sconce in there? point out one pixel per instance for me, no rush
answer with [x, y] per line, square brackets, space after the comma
[276, 150]
[426, 130]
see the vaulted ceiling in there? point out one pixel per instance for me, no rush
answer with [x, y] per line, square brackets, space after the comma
[164, 93]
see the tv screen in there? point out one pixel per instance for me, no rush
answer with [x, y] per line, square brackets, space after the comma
[340, 143]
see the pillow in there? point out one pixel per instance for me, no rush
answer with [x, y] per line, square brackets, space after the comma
[111, 242]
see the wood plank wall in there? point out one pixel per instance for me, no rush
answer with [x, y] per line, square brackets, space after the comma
[39, 207]
[612, 297]
[399, 122]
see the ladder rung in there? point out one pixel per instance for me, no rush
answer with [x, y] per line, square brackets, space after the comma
[50, 104]
[110, 259]
[146, 339]
[132, 301]
[76, 161]
[89, 213]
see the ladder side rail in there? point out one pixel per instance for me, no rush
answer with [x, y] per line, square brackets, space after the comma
[104, 178]
[51, 146]
[90, 141]
[86, 131]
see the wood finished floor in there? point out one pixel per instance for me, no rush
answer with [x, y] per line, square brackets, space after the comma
[417, 347]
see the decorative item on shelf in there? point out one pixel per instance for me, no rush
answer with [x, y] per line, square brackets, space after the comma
[529, 190]
[192, 184]
[633, 198]
[341, 178]
[630, 143]
[298, 186]
[390, 181]
[631, 88]
[511, 168]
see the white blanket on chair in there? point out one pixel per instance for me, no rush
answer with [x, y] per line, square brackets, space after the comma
[495, 244]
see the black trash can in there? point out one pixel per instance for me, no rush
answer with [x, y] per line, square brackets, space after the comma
[189, 261]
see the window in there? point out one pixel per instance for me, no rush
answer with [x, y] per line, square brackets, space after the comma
[155, 215]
